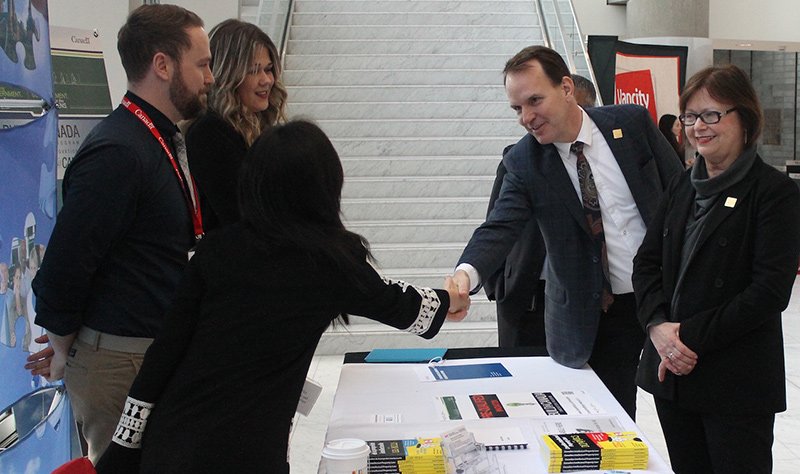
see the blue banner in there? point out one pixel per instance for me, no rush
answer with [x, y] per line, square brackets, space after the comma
[27, 217]
[25, 45]
[36, 421]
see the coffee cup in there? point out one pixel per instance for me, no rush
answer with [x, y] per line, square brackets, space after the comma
[346, 456]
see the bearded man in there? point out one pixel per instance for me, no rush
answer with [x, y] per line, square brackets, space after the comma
[129, 220]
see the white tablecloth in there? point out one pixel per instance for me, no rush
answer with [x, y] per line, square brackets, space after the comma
[371, 398]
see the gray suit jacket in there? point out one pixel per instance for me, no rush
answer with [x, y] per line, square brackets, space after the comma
[537, 185]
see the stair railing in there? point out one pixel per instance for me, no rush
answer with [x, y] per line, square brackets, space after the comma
[560, 31]
[275, 17]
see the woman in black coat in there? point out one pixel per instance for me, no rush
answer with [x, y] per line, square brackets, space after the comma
[220, 384]
[711, 278]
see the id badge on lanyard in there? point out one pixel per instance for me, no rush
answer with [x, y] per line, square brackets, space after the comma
[194, 207]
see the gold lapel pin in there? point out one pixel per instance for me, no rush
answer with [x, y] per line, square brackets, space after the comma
[617, 133]
[730, 202]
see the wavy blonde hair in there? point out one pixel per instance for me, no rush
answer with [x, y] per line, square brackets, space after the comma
[234, 44]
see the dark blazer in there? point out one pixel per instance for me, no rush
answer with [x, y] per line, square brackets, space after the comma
[216, 151]
[537, 185]
[737, 281]
[515, 285]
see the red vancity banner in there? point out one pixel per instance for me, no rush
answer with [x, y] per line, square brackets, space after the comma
[636, 87]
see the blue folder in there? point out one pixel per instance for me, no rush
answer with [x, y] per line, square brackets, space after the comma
[404, 355]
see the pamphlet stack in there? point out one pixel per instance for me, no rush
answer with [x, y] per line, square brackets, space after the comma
[406, 456]
[590, 451]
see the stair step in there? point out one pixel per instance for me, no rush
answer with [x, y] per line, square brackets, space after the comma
[415, 46]
[415, 208]
[424, 32]
[417, 128]
[430, 6]
[449, 18]
[415, 231]
[366, 60]
[405, 110]
[418, 186]
[368, 77]
[419, 255]
[325, 94]
[436, 146]
[420, 166]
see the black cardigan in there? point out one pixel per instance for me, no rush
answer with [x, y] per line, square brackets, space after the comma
[215, 151]
[226, 371]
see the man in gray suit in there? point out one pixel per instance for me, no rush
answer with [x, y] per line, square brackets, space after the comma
[592, 180]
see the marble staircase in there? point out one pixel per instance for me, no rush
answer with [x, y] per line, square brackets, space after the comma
[411, 94]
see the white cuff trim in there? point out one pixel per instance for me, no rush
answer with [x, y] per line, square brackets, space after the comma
[427, 309]
[132, 423]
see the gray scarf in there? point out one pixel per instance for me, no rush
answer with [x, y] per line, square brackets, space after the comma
[709, 187]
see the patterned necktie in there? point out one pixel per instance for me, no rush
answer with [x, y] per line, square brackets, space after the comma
[183, 161]
[591, 208]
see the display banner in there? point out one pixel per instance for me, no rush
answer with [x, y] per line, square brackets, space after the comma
[646, 74]
[36, 432]
[650, 81]
[636, 88]
[81, 90]
[27, 217]
[45, 432]
[25, 43]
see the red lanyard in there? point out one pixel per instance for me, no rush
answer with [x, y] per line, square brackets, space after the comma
[194, 209]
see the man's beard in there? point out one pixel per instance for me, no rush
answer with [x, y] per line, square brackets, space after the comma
[189, 105]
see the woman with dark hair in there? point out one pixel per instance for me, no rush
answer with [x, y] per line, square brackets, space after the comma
[670, 127]
[247, 97]
[711, 279]
[219, 386]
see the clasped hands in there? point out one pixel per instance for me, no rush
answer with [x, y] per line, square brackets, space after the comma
[675, 355]
[458, 289]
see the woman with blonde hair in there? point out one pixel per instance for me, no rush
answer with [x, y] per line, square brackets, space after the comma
[247, 98]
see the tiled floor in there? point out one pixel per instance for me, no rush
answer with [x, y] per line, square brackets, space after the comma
[309, 435]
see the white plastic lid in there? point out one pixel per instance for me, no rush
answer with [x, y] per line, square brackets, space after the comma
[345, 448]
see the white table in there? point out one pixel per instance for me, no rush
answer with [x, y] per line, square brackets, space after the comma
[367, 392]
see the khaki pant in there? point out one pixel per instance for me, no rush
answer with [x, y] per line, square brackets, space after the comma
[98, 382]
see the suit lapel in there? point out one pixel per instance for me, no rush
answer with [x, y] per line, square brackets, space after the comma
[625, 154]
[729, 200]
[622, 150]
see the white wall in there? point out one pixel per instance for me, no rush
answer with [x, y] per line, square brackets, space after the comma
[762, 20]
[597, 18]
[701, 53]
[107, 16]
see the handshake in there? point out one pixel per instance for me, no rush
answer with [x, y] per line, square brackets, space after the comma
[458, 287]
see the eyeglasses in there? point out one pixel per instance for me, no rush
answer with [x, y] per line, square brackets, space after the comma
[708, 118]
